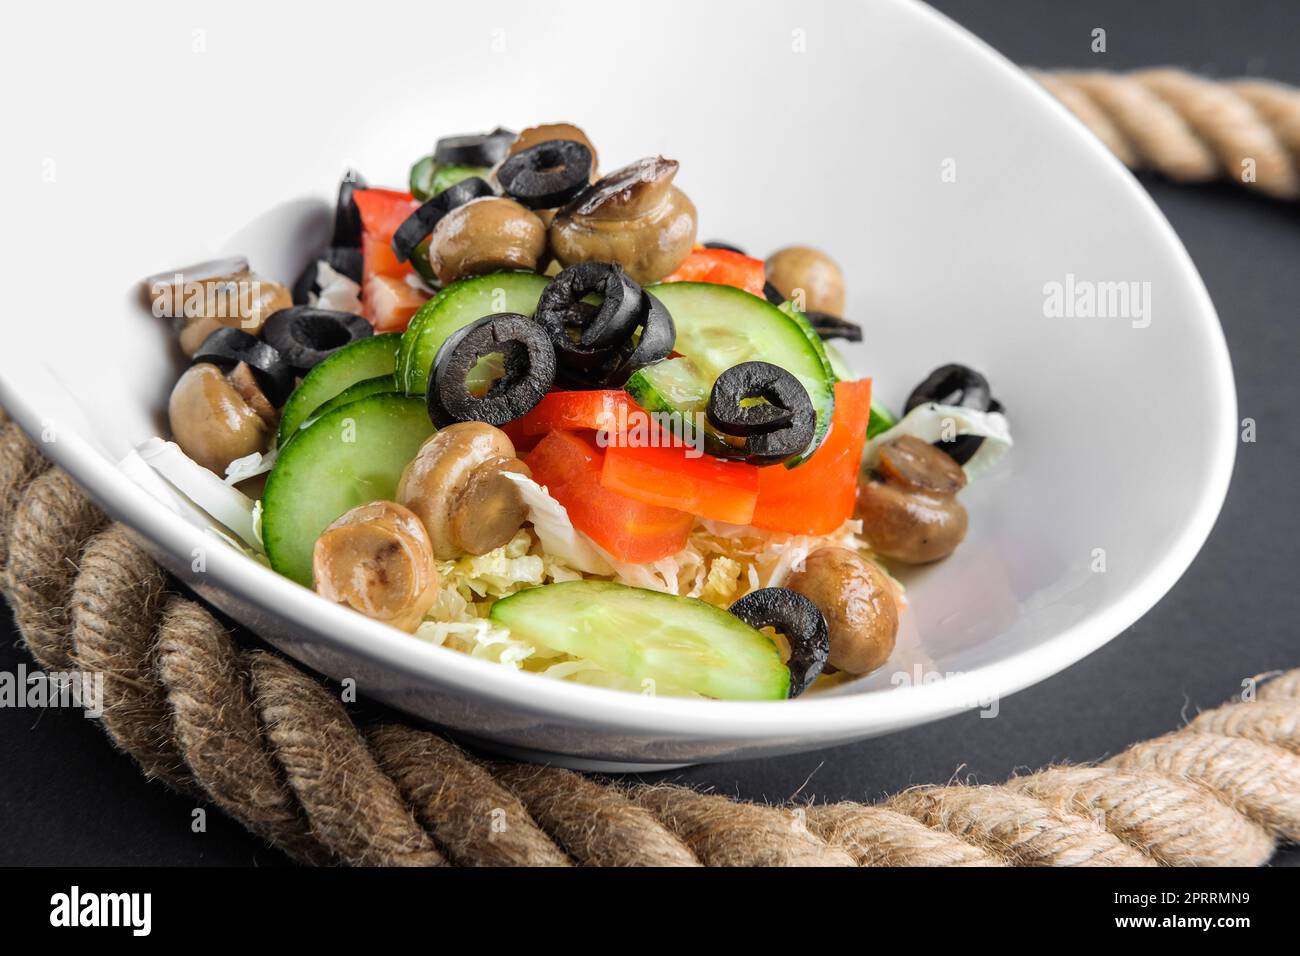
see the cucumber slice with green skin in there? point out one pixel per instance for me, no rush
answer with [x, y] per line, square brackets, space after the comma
[881, 420]
[349, 457]
[429, 178]
[411, 337]
[424, 268]
[421, 178]
[838, 364]
[813, 338]
[719, 326]
[365, 358]
[456, 307]
[673, 385]
[645, 635]
[383, 384]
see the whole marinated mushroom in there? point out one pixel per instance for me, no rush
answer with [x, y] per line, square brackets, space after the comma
[857, 600]
[377, 560]
[635, 216]
[486, 235]
[201, 298]
[216, 418]
[909, 508]
[804, 270]
[456, 486]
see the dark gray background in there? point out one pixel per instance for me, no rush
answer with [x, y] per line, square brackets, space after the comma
[66, 797]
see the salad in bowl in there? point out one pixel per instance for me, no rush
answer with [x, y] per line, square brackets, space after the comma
[518, 410]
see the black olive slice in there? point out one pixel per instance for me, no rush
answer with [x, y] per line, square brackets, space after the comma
[766, 406]
[344, 260]
[227, 347]
[802, 623]
[772, 294]
[597, 346]
[347, 217]
[305, 336]
[952, 385]
[829, 326]
[658, 335]
[546, 175]
[613, 322]
[529, 360]
[584, 369]
[475, 149]
[958, 385]
[420, 224]
[726, 246]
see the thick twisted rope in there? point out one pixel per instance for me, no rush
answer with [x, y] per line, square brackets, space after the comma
[277, 750]
[1189, 128]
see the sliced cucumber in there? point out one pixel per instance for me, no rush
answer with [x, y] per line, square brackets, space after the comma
[429, 178]
[423, 267]
[673, 385]
[456, 307]
[881, 420]
[839, 365]
[354, 393]
[645, 635]
[719, 326]
[348, 457]
[365, 358]
[421, 179]
[813, 338]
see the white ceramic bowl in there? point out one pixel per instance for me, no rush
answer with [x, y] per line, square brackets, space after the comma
[838, 124]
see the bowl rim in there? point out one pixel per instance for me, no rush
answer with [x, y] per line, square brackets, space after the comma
[743, 721]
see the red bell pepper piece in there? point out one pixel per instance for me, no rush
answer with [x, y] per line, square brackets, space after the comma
[723, 267]
[818, 496]
[609, 410]
[702, 485]
[382, 211]
[569, 464]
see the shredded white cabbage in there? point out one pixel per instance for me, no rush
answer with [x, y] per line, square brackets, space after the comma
[562, 541]
[337, 291]
[227, 506]
[250, 466]
[932, 422]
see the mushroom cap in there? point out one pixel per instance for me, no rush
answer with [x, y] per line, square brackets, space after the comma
[812, 271]
[634, 216]
[857, 600]
[211, 421]
[435, 484]
[377, 559]
[914, 464]
[486, 235]
[909, 526]
[490, 509]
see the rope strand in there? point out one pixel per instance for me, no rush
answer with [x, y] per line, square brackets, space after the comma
[1188, 128]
